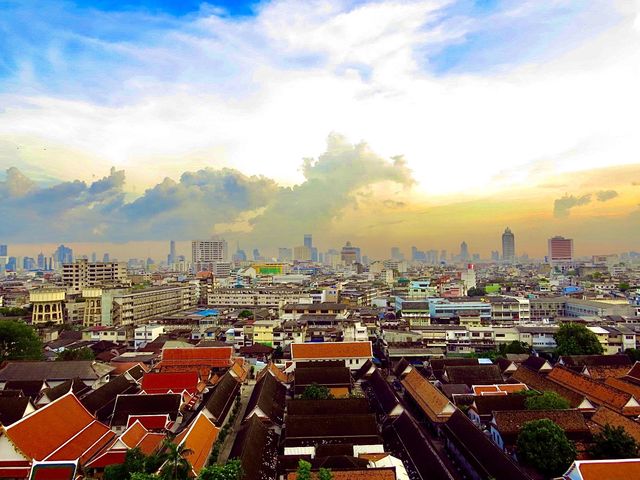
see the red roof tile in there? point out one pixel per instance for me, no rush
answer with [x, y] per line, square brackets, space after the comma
[170, 382]
[331, 350]
[596, 391]
[199, 438]
[197, 354]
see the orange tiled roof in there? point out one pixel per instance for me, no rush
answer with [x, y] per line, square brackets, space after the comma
[599, 392]
[610, 469]
[199, 438]
[279, 374]
[431, 400]
[132, 435]
[499, 389]
[63, 430]
[239, 372]
[602, 372]
[121, 367]
[331, 350]
[604, 416]
[627, 387]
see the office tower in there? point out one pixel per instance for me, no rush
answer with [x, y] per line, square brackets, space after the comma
[302, 253]
[443, 256]
[28, 263]
[464, 251]
[3, 250]
[41, 265]
[508, 246]
[495, 256]
[63, 255]
[206, 253]
[106, 258]
[308, 240]
[285, 254]
[94, 257]
[396, 254]
[560, 250]
[171, 259]
[350, 254]
[12, 264]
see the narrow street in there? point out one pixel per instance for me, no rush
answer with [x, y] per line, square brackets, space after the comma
[247, 390]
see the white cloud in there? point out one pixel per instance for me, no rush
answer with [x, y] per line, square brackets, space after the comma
[261, 93]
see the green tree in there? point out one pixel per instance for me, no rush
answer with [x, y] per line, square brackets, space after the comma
[304, 470]
[116, 472]
[84, 353]
[316, 392]
[325, 474]
[544, 446]
[143, 476]
[476, 292]
[576, 339]
[232, 470]
[546, 401]
[613, 442]
[18, 341]
[245, 314]
[176, 466]
[624, 286]
[633, 353]
[515, 347]
[13, 312]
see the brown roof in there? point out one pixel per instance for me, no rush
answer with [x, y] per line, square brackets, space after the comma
[599, 392]
[540, 383]
[482, 455]
[509, 423]
[474, 374]
[595, 360]
[487, 404]
[634, 372]
[602, 372]
[624, 386]
[431, 400]
[604, 416]
[306, 351]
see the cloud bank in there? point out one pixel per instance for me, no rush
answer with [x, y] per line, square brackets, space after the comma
[199, 204]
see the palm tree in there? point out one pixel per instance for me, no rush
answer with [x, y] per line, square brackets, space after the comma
[175, 466]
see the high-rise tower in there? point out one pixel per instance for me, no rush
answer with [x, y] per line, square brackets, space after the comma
[508, 246]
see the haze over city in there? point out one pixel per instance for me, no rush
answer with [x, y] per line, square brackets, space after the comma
[384, 123]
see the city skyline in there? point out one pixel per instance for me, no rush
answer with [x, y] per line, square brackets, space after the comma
[426, 126]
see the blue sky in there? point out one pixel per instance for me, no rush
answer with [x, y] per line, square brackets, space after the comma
[508, 91]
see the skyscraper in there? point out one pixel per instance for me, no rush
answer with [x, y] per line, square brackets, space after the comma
[3, 250]
[464, 251]
[172, 252]
[508, 246]
[396, 254]
[63, 255]
[560, 250]
[308, 240]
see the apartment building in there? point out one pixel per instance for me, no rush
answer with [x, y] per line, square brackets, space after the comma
[255, 297]
[82, 274]
[441, 308]
[143, 305]
[509, 309]
[547, 307]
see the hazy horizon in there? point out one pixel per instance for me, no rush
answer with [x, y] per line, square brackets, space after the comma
[385, 123]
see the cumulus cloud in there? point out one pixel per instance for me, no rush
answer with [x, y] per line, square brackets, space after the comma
[562, 206]
[605, 195]
[198, 204]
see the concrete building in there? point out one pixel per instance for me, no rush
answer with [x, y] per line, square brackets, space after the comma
[206, 253]
[302, 253]
[350, 254]
[508, 246]
[560, 250]
[256, 297]
[48, 305]
[143, 305]
[82, 274]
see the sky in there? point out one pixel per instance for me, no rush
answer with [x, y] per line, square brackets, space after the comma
[124, 124]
